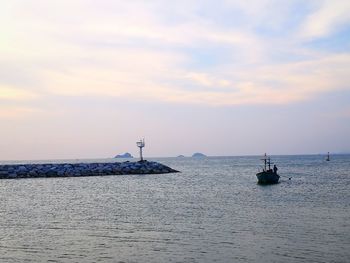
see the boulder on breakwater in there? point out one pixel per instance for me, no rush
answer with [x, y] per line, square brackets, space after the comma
[13, 171]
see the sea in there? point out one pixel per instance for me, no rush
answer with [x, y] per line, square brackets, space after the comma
[213, 211]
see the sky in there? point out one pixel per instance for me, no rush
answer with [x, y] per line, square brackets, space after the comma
[87, 79]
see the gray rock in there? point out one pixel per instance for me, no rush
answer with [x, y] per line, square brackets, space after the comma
[33, 173]
[12, 175]
[81, 169]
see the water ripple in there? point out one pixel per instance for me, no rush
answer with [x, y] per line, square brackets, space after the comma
[211, 212]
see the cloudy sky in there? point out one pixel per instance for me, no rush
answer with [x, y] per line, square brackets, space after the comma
[87, 79]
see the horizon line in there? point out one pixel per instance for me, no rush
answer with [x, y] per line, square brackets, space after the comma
[156, 157]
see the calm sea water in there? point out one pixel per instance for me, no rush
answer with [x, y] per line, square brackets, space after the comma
[213, 211]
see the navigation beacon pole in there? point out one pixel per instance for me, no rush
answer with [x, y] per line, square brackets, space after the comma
[141, 144]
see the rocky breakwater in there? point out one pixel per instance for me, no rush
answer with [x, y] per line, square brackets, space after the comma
[81, 169]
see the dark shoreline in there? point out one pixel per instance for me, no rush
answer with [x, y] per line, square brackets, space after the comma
[16, 171]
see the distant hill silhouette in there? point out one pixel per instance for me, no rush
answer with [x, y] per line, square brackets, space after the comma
[125, 155]
[198, 155]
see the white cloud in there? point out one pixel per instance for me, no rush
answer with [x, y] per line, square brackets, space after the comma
[129, 50]
[11, 93]
[325, 20]
[274, 84]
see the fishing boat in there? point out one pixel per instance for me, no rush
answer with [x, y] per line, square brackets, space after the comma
[268, 175]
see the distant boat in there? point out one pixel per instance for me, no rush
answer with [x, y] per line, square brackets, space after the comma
[328, 159]
[267, 176]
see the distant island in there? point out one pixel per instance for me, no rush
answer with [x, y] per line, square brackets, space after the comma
[198, 155]
[180, 156]
[125, 155]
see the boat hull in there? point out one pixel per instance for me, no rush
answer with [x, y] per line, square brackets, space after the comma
[267, 177]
